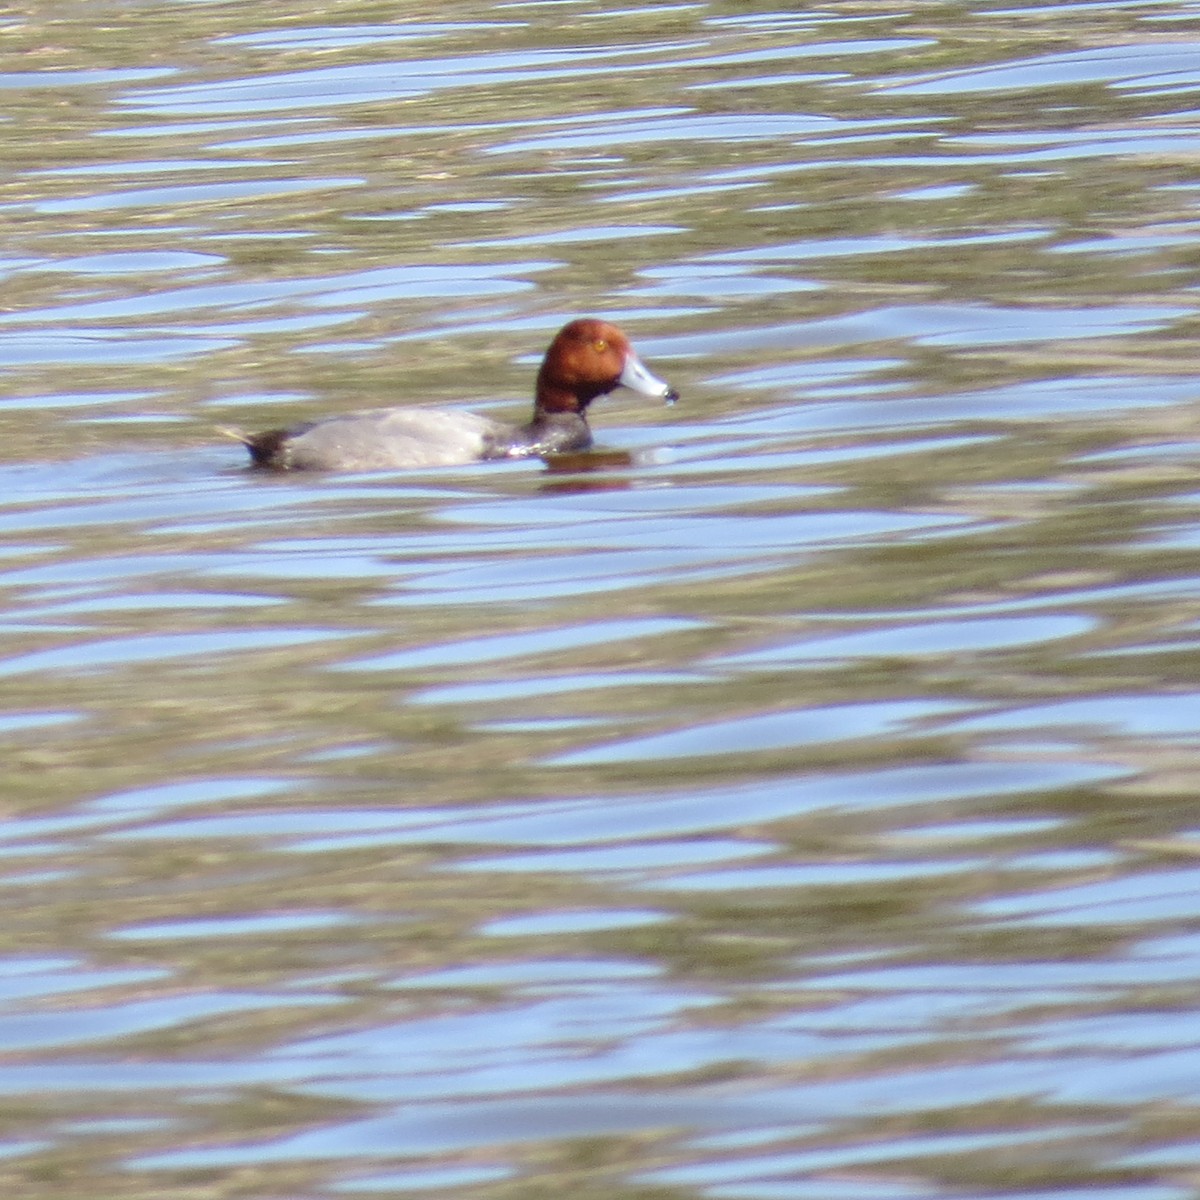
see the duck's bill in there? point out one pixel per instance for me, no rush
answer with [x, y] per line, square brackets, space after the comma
[637, 378]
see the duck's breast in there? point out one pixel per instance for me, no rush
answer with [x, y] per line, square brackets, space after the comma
[395, 438]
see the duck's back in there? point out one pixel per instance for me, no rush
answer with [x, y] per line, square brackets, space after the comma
[387, 439]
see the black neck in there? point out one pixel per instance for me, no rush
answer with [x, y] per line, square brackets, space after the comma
[556, 433]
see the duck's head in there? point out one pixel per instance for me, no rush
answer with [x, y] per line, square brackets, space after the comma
[589, 358]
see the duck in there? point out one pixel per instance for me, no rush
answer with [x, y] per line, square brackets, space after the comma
[588, 358]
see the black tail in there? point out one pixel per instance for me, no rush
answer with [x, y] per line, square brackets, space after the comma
[266, 449]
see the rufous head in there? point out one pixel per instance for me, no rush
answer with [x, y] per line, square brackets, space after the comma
[589, 358]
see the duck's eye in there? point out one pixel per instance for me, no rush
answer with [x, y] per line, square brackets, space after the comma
[600, 345]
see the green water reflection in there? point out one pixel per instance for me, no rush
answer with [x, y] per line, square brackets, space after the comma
[795, 798]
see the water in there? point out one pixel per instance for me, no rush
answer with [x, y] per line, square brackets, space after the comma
[794, 799]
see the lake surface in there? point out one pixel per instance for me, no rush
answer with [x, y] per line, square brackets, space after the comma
[796, 799]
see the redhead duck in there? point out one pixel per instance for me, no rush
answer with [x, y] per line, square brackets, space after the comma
[588, 358]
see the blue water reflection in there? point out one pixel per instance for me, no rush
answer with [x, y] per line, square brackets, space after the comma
[792, 797]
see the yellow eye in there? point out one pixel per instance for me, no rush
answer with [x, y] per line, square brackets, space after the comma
[599, 345]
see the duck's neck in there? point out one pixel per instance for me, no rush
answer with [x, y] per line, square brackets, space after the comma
[546, 433]
[556, 432]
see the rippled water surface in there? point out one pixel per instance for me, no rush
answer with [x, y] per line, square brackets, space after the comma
[798, 798]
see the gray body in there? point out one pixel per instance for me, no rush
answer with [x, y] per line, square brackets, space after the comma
[394, 438]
